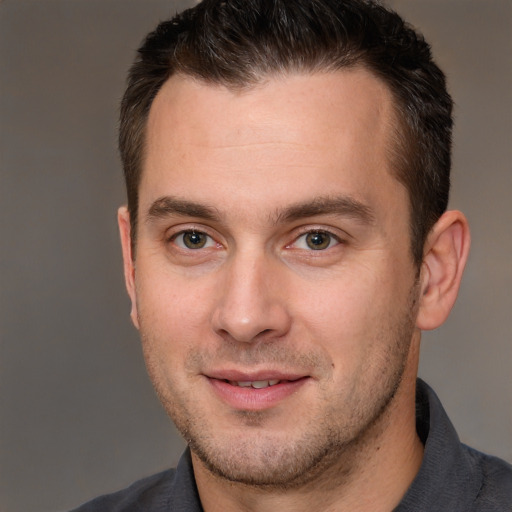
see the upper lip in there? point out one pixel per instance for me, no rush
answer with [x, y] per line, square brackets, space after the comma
[262, 375]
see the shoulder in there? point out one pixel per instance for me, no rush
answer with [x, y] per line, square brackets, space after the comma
[147, 494]
[495, 494]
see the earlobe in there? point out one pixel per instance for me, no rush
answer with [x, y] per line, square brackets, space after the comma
[123, 220]
[445, 256]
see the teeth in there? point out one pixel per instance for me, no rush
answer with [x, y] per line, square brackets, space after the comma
[256, 384]
[260, 384]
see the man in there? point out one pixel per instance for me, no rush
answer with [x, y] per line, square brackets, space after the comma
[286, 241]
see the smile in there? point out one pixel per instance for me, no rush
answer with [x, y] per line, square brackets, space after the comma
[255, 394]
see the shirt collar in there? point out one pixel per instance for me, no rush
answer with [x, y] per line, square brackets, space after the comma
[448, 478]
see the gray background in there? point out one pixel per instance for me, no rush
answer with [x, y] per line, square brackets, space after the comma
[77, 413]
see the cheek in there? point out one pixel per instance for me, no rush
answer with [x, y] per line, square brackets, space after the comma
[173, 317]
[350, 312]
[173, 302]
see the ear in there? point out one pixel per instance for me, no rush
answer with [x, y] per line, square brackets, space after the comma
[445, 255]
[123, 220]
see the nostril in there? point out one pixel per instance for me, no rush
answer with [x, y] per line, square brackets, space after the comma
[250, 318]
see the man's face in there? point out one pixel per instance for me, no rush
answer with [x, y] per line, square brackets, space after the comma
[274, 286]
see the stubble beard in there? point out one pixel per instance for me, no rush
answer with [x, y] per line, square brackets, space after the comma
[328, 445]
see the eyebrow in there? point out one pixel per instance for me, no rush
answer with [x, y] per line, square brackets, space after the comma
[168, 206]
[343, 206]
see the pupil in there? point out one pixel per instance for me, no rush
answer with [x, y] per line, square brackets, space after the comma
[194, 240]
[318, 241]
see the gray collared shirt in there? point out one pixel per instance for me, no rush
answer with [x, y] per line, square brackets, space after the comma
[452, 477]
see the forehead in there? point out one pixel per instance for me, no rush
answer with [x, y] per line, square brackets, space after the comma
[191, 106]
[296, 132]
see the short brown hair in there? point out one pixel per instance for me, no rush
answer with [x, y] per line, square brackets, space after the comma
[237, 43]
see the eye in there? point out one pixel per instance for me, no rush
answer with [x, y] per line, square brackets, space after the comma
[316, 241]
[193, 240]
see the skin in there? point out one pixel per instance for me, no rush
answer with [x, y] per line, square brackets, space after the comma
[249, 179]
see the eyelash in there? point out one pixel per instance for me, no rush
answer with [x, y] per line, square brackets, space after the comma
[333, 240]
[210, 241]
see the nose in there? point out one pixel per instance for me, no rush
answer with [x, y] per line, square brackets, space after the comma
[252, 303]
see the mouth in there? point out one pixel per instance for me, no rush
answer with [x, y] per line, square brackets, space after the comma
[244, 392]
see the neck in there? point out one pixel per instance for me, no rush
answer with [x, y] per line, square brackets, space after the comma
[381, 469]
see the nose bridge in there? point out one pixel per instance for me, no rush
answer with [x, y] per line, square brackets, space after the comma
[250, 305]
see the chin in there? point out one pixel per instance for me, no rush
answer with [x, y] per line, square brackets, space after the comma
[265, 465]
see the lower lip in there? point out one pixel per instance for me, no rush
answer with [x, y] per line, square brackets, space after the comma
[251, 399]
